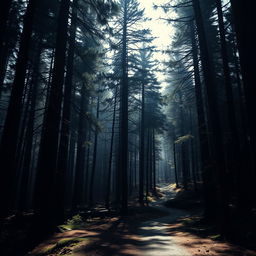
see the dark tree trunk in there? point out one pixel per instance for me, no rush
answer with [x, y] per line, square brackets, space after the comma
[3, 66]
[243, 15]
[135, 162]
[142, 147]
[24, 118]
[80, 157]
[87, 166]
[111, 152]
[193, 159]
[123, 148]
[5, 7]
[233, 140]
[130, 172]
[9, 140]
[154, 161]
[94, 160]
[209, 191]
[71, 167]
[46, 196]
[214, 121]
[151, 160]
[66, 114]
[147, 164]
[23, 194]
[183, 145]
[227, 77]
[175, 164]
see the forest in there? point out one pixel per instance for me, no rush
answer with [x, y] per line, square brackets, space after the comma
[127, 127]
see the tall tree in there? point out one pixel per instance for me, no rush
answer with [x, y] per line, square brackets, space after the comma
[9, 140]
[63, 153]
[214, 119]
[130, 35]
[45, 202]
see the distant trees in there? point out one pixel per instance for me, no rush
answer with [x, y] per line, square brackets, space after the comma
[151, 120]
[130, 38]
[203, 63]
[71, 107]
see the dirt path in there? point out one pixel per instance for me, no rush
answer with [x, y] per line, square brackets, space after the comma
[152, 231]
[155, 233]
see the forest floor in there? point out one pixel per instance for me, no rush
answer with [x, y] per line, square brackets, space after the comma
[155, 230]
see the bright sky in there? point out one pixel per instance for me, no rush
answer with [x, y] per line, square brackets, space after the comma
[160, 29]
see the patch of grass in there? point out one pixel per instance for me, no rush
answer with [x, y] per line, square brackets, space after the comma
[215, 237]
[76, 222]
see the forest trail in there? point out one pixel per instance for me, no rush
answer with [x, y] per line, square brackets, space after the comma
[154, 233]
[151, 231]
[141, 234]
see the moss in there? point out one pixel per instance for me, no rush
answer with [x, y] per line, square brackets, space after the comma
[60, 245]
[215, 237]
[76, 222]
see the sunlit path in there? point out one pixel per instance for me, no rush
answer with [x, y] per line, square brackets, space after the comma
[154, 233]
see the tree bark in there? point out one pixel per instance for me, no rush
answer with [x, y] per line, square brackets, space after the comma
[243, 15]
[46, 196]
[80, 157]
[214, 121]
[123, 147]
[111, 152]
[26, 167]
[142, 147]
[154, 161]
[94, 161]
[5, 7]
[66, 113]
[9, 140]
[209, 190]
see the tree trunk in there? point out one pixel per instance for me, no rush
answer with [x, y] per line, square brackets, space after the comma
[23, 194]
[147, 165]
[214, 121]
[142, 147]
[243, 15]
[233, 141]
[209, 191]
[80, 157]
[62, 164]
[3, 66]
[86, 191]
[151, 160]
[46, 196]
[5, 7]
[193, 159]
[94, 161]
[9, 140]
[111, 152]
[183, 145]
[154, 161]
[123, 147]
[175, 164]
